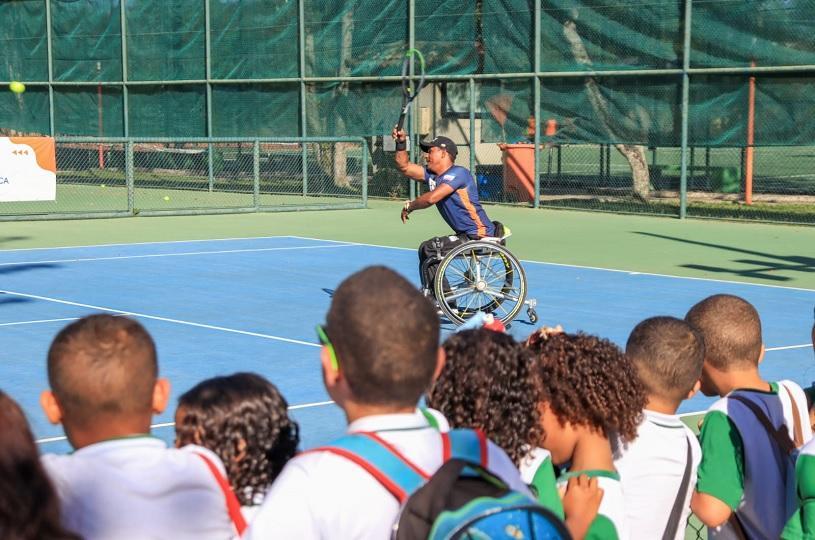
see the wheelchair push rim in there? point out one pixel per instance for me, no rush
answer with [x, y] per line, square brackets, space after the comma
[480, 276]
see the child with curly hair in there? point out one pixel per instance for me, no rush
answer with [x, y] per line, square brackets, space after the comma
[244, 420]
[29, 505]
[488, 382]
[590, 393]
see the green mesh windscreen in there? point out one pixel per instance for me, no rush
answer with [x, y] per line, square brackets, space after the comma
[254, 39]
[87, 40]
[719, 110]
[25, 113]
[507, 106]
[603, 35]
[256, 110]
[365, 37]
[735, 33]
[337, 109]
[168, 111]
[165, 40]
[446, 35]
[88, 110]
[23, 44]
[508, 37]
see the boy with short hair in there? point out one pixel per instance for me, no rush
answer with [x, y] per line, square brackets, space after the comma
[658, 468]
[745, 484]
[120, 482]
[802, 523]
[380, 353]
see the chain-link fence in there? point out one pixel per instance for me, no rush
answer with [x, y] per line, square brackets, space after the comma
[695, 530]
[104, 177]
[594, 104]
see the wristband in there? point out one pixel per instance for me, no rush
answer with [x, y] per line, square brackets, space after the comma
[401, 145]
[406, 206]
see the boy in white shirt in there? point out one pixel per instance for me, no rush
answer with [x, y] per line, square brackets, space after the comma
[121, 483]
[744, 490]
[658, 468]
[380, 353]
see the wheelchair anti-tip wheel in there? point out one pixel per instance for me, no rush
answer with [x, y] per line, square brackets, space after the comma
[480, 276]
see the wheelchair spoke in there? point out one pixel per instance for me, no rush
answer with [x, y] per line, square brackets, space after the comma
[456, 294]
[501, 295]
[469, 303]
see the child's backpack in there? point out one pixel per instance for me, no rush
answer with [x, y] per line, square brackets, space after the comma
[463, 499]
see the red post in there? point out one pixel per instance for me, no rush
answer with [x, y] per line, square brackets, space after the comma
[748, 159]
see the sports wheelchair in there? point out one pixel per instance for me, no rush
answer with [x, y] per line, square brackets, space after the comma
[478, 275]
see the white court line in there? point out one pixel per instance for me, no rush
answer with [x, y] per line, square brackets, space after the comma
[39, 321]
[170, 424]
[184, 254]
[630, 272]
[157, 318]
[155, 242]
[805, 345]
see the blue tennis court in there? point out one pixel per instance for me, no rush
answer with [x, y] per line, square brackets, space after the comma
[251, 304]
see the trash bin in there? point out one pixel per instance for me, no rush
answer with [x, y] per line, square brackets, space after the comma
[519, 171]
[725, 179]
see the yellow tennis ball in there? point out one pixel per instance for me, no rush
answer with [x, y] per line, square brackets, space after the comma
[102, 185]
[17, 87]
[166, 198]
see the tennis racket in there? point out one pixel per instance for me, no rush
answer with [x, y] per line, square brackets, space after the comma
[409, 93]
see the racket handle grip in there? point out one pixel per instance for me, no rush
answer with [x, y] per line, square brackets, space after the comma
[401, 123]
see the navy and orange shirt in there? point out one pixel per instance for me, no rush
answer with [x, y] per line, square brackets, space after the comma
[461, 209]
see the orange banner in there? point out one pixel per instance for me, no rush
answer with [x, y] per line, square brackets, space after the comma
[28, 169]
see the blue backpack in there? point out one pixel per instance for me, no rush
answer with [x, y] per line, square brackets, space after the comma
[463, 499]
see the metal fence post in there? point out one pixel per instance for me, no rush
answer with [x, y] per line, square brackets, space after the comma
[683, 166]
[536, 138]
[131, 198]
[256, 173]
[364, 148]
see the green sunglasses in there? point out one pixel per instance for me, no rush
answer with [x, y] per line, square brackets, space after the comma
[323, 337]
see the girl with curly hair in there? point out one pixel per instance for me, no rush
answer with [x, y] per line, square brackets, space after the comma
[29, 506]
[244, 420]
[489, 383]
[590, 393]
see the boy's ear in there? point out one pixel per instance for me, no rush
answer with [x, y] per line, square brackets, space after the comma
[761, 354]
[161, 395]
[696, 386]
[330, 375]
[441, 358]
[50, 406]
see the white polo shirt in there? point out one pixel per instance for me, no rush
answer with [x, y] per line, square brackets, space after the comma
[651, 469]
[137, 488]
[323, 495]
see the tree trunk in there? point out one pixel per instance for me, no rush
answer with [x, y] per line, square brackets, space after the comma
[634, 153]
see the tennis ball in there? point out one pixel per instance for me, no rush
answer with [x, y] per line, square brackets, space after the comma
[17, 87]
[166, 198]
[102, 185]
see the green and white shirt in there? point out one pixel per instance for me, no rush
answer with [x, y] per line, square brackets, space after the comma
[610, 523]
[747, 477]
[538, 471]
[801, 525]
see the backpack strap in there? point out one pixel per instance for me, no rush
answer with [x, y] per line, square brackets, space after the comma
[233, 506]
[676, 512]
[432, 420]
[467, 444]
[381, 460]
[797, 429]
[780, 435]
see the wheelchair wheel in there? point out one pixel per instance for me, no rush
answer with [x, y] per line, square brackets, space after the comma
[480, 276]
